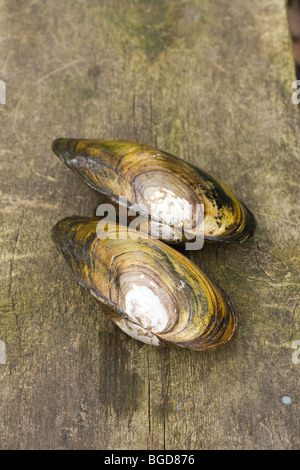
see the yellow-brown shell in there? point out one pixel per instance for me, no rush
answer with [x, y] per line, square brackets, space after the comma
[155, 179]
[151, 291]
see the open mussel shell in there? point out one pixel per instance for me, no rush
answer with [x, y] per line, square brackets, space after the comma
[151, 291]
[165, 186]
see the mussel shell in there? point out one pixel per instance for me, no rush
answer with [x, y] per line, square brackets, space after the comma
[161, 182]
[152, 292]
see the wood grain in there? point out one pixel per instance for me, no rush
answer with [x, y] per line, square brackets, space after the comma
[208, 81]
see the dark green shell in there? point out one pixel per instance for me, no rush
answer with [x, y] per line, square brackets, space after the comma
[152, 292]
[153, 178]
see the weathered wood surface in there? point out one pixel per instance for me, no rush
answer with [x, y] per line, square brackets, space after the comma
[210, 81]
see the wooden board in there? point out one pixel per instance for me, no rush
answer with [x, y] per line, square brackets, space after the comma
[211, 82]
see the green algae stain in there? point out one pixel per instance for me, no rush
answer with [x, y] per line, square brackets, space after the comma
[152, 27]
[175, 137]
[159, 25]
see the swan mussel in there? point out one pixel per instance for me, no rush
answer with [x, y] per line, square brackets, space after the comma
[167, 187]
[152, 292]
